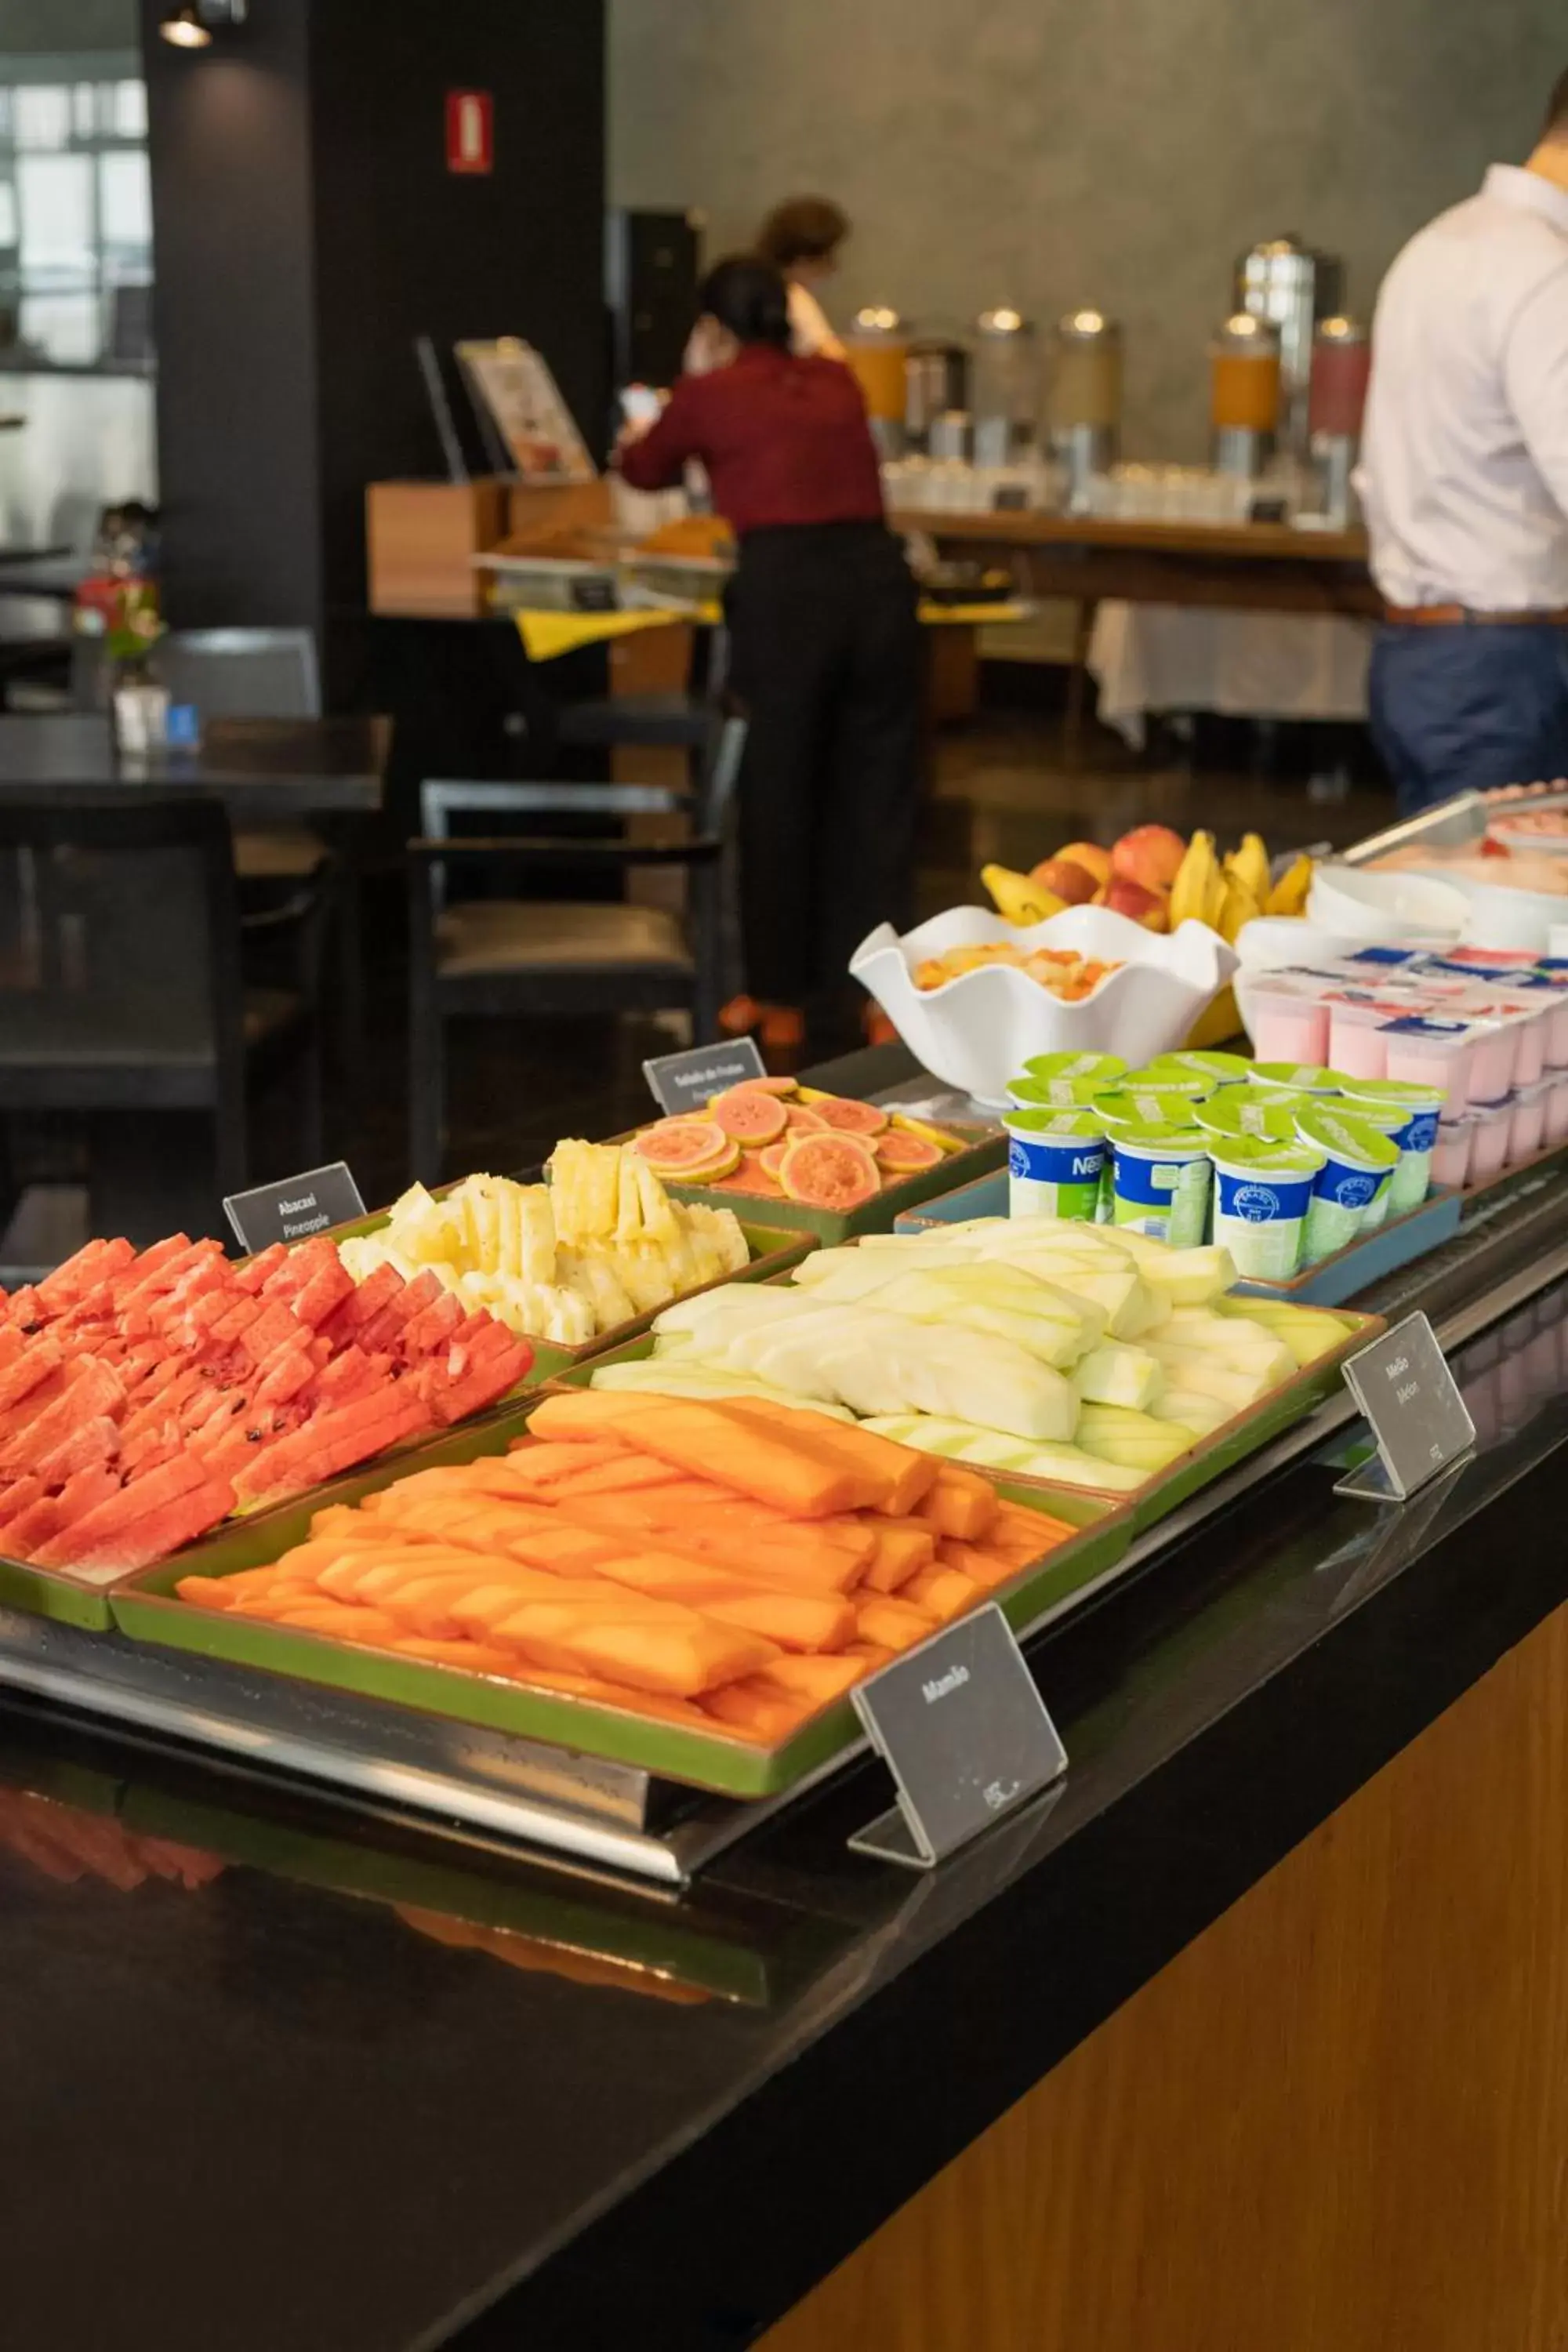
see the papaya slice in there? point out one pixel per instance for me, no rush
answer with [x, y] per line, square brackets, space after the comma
[902, 1154]
[750, 1116]
[690, 1149]
[847, 1117]
[830, 1171]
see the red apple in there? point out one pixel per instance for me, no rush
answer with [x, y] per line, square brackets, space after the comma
[1091, 857]
[1141, 906]
[1069, 881]
[1151, 855]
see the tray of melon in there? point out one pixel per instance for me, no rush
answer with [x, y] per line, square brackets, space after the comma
[690, 1588]
[821, 1164]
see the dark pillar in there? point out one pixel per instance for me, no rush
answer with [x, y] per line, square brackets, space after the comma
[307, 229]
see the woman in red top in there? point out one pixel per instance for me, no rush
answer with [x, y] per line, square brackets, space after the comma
[825, 648]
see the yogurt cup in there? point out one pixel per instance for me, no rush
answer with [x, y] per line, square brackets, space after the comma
[1302, 1078]
[1219, 1069]
[1552, 971]
[1527, 1129]
[1357, 1164]
[1286, 1026]
[1055, 1161]
[1263, 1193]
[1160, 1183]
[1148, 1106]
[1357, 1046]
[1557, 1111]
[1410, 1115]
[1104, 1066]
[1054, 1094]
[1451, 1153]
[1423, 1052]
[1251, 1110]
[1489, 1139]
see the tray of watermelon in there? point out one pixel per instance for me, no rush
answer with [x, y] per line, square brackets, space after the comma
[692, 1589]
[147, 1396]
[822, 1163]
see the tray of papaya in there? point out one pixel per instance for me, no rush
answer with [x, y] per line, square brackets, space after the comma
[145, 1397]
[823, 1164]
[693, 1588]
[1054, 1351]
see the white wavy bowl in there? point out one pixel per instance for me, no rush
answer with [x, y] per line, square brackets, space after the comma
[1502, 917]
[976, 1032]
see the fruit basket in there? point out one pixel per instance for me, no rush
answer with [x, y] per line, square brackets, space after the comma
[147, 1609]
[976, 1031]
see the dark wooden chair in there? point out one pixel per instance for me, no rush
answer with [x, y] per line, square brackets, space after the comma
[518, 958]
[120, 984]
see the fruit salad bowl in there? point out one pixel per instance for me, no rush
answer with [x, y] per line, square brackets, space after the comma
[976, 1031]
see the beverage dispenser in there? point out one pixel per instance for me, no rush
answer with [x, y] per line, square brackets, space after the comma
[1341, 368]
[1244, 394]
[1292, 286]
[1007, 391]
[1085, 400]
[877, 350]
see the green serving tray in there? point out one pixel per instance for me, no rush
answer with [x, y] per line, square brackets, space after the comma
[1221, 1450]
[83, 1602]
[143, 1607]
[984, 1149]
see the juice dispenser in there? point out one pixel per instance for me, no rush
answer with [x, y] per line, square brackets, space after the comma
[1341, 367]
[1244, 394]
[877, 350]
[1005, 401]
[1085, 400]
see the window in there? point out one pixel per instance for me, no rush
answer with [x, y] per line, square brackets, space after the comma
[75, 218]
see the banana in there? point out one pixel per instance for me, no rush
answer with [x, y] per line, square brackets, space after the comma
[1249, 864]
[1237, 907]
[1191, 890]
[1017, 899]
[1288, 896]
[1214, 904]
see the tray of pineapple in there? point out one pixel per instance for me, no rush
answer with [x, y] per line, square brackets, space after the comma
[1076, 1355]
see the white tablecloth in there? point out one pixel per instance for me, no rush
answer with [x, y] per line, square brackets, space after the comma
[1247, 664]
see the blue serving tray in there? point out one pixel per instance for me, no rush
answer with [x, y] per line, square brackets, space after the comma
[1330, 1283]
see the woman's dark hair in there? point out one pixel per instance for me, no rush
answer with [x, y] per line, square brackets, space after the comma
[749, 295]
[802, 228]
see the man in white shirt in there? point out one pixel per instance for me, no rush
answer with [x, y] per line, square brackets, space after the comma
[1464, 479]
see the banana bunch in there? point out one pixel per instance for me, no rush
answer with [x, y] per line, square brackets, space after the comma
[1017, 899]
[1198, 894]
[1288, 896]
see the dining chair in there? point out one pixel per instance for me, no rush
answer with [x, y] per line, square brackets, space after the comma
[120, 985]
[517, 958]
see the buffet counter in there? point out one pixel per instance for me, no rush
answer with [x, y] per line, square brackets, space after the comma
[1244, 2035]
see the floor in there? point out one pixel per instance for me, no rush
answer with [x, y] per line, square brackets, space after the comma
[1002, 791]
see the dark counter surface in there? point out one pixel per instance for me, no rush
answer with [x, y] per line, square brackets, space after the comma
[308, 2103]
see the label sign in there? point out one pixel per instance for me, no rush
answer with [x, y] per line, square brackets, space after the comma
[966, 1734]
[683, 1083]
[470, 130]
[1403, 1384]
[295, 1209]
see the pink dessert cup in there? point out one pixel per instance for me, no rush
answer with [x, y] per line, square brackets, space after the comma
[1428, 1052]
[1451, 1152]
[1489, 1150]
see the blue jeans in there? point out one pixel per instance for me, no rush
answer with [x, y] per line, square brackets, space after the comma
[1467, 707]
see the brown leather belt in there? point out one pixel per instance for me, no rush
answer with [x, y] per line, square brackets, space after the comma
[1458, 616]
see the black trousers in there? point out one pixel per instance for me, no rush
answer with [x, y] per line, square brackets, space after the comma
[826, 661]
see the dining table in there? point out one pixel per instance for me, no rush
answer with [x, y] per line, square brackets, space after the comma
[266, 772]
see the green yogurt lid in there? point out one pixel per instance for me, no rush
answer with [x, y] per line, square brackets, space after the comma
[1251, 1110]
[1355, 1139]
[1080, 1123]
[1059, 1094]
[1165, 1080]
[1392, 1092]
[1145, 1138]
[1304, 1076]
[1074, 1066]
[1223, 1069]
[1248, 1152]
[1146, 1106]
